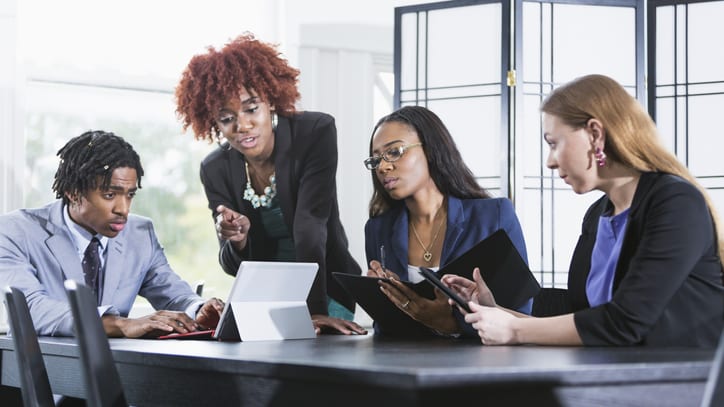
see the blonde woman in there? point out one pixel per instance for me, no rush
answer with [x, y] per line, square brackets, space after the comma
[647, 269]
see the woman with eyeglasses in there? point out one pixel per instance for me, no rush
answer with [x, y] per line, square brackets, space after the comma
[426, 210]
[271, 183]
[647, 268]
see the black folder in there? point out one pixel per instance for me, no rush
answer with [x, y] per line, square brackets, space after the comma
[391, 320]
[501, 266]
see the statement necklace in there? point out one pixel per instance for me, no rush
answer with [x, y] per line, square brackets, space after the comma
[427, 255]
[269, 192]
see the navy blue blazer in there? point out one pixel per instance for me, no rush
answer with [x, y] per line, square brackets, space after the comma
[468, 222]
[667, 290]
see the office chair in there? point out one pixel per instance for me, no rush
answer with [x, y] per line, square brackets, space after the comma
[199, 288]
[714, 390]
[34, 383]
[551, 301]
[103, 385]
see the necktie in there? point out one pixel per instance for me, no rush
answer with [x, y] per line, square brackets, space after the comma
[92, 266]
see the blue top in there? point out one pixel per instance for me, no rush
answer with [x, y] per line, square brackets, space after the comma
[468, 222]
[604, 258]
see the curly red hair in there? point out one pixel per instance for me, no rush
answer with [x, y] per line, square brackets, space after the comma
[219, 75]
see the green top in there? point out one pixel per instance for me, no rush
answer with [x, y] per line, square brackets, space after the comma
[276, 229]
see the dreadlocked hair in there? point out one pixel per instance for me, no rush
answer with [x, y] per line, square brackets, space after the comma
[91, 158]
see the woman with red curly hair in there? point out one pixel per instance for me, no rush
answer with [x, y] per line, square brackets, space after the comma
[271, 184]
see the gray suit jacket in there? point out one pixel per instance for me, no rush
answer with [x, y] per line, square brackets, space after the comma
[37, 255]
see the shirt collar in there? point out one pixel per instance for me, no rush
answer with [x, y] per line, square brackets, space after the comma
[81, 237]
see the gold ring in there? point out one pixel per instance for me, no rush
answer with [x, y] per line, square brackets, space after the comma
[406, 304]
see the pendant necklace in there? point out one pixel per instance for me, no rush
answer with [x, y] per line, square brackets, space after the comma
[269, 192]
[427, 255]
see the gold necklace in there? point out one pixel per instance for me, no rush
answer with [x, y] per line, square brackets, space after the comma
[427, 255]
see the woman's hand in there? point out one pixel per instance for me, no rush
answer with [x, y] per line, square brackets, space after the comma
[376, 270]
[494, 326]
[232, 226]
[327, 324]
[209, 313]
[435, 314]
[476, 291]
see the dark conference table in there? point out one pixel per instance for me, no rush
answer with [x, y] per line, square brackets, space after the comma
[369, 371]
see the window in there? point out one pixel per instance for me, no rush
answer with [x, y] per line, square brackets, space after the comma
[554, 42]
[559, 42]
[114, 67]
[171, 192]
[436, 67]
[686, 76]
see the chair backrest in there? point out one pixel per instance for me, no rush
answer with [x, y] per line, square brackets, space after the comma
[714, 391]
[34, 383]
[199, 288]
[550, 302]
[102, 383]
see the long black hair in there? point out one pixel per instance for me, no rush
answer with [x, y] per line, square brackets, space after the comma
[445, 164]
[90, 157]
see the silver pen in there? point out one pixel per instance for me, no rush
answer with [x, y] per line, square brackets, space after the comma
[382, 257]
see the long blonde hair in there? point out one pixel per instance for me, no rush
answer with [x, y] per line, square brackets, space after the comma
[631, 135]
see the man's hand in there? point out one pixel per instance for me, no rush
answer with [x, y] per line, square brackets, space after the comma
[151, 326]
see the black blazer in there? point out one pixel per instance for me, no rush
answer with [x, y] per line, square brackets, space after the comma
[305, 159]
[667, 290]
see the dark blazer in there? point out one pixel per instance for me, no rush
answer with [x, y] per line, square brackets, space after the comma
[305, 159]
[667, 290]
[468, 222]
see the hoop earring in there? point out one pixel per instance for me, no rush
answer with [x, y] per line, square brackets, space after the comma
[221, 141]
[274, 120]
[600, 157]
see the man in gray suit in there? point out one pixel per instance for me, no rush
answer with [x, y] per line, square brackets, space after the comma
[97, 179]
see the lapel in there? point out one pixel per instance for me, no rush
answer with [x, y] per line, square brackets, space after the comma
[61, 245]
[115, 267]
[400, 233]
[455, 227]
[643, 188]
[284, 168]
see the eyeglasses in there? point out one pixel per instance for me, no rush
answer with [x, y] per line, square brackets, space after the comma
[390, 156]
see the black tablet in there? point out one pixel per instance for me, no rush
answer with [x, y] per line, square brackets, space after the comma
[430, 276]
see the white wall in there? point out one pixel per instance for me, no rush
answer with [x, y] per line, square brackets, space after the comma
[11, 124]
[11, 141]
